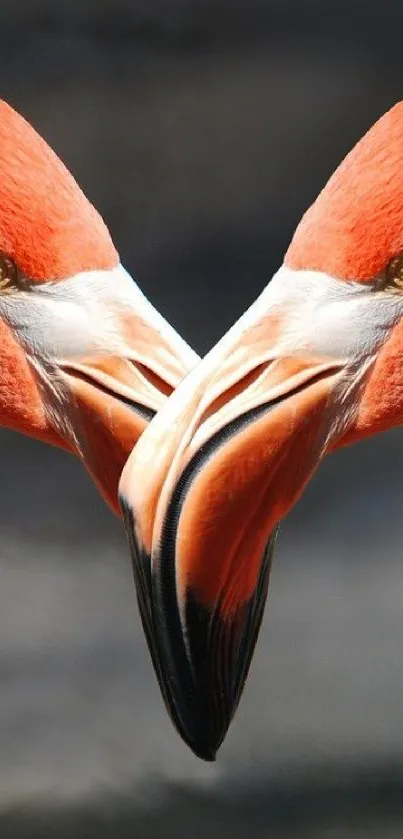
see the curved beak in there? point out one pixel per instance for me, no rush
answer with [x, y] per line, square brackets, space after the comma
[116, 393]
[202, 495]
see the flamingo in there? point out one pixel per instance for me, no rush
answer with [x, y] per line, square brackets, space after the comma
[313, 365]
[85, 359]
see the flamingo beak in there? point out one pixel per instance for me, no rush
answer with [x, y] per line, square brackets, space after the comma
[94, 361]
[201, 506]
[113, 391]
[112, 404]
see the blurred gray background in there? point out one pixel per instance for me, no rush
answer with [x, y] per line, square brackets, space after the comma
[201, 131]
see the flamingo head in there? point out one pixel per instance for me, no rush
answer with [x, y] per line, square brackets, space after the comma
[315, 363]
[85, 361]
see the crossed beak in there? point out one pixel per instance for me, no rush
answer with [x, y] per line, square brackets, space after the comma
[112, 402]
[202, 495]
[115, 395]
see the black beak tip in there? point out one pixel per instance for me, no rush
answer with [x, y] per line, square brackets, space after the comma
[205, 753]
[196, 733]
[201, 659]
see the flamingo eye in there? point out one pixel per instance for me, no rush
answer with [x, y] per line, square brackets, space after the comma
[391, 278]
[10, 277]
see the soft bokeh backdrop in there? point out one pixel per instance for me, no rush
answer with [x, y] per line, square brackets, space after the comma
[201, 131]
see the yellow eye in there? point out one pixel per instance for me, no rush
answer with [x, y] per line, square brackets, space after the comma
[8, 274]
[392, 277]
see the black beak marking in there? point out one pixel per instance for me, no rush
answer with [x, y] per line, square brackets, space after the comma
[201, 656]
[161, 658]
[201, 666]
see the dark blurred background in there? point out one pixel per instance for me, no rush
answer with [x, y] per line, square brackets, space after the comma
[201, 131]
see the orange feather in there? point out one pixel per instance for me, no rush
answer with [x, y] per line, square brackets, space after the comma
[47, 225]
[355, 225]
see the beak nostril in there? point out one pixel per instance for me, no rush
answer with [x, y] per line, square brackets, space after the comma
[110, 387]
[153, 378]
[239, 387]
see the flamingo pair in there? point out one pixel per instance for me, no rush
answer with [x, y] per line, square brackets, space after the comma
[213, 463]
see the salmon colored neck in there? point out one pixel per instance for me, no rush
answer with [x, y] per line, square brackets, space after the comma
[355, 225]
